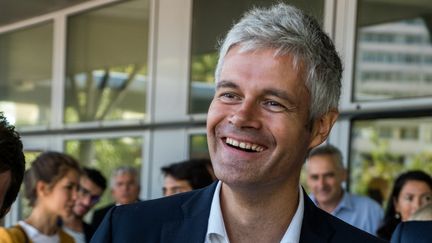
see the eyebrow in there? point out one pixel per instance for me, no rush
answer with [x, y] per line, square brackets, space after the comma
[278, 93]
[226, 84]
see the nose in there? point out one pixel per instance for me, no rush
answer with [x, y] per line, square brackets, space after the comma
[246, 115]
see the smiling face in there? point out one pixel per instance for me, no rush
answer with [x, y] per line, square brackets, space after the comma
[88, 195]
[257, 125]
[414, 195]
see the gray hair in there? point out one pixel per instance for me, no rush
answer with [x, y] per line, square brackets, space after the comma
[290, 31]
[328, 149]
[123, 170]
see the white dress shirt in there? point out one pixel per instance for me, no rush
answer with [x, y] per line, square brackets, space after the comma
[216, 232]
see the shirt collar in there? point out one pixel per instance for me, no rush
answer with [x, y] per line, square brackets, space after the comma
[216, 231]
[345, 203]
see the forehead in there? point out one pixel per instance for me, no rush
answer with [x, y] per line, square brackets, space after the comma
[170, 181]
[321, 163]
[88, 183]
[416, 187]
[260, 65]
[124, 176]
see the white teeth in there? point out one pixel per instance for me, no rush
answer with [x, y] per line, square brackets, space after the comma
[244, 145]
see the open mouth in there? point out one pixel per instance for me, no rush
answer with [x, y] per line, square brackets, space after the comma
[245, 146]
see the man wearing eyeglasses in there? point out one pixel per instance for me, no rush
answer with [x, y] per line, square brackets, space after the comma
[92, 185]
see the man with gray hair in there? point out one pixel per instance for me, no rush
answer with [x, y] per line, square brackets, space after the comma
[325, 175]
[277, 91]
[125, 188]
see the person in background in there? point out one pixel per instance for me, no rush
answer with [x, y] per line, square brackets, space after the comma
[377, 189]
[91, 187]
[325, 175]
[12, 165]
[186, 176]
[125, 189]
[411, 190]
[277, 91]
[50, 186]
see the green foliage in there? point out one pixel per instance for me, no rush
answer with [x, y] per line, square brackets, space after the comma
[203, 67]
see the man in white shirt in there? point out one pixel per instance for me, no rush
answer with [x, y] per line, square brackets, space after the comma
[277, 91]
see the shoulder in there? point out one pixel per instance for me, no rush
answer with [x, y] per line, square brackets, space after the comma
[13, 234]
[155, 210]
[413, 231]
[364, 201]
[65, 238]
[318, 224]
[105, 209]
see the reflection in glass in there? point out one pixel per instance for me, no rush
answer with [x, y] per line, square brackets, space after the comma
[383, 148]
[107, 63]
[208, 27]
[394, 50]
[25, 75]
[198, 146]
[106, 155]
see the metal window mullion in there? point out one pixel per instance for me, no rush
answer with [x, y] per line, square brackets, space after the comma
[58, 72]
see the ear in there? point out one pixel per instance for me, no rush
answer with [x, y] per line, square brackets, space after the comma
[42, 189]
[321, 128]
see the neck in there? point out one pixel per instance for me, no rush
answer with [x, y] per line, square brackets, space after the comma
[74, 222]
[260, 215]
[330, 206]
[44, 222]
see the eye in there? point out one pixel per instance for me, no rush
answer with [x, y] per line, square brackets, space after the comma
[427, 198]
[274, 106]
[228, 97]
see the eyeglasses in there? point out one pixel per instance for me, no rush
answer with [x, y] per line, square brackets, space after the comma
[83, 192]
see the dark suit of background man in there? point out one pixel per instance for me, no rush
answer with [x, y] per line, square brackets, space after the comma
[277, 91]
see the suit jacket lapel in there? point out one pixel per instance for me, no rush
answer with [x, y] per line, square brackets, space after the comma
[193, 225]
[314, 227]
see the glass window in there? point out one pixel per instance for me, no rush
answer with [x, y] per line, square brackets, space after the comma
[26, 75]
[198, 146]
[208, 27]
[383, 148]
[392, 37]
[106, 155]
[107, 72]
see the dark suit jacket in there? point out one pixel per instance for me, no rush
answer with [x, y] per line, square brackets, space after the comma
[99, 215]
[88, 231]
[413, 232]
[184, 218]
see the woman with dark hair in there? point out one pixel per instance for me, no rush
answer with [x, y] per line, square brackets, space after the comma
[50, 185]
[411, 190]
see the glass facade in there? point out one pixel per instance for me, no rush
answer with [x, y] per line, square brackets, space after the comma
[393, 51]
[207, 28]
[198, 146]
[26, 75]
[107, 68]
[383, 148]
[106, 155]
[126, 61]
